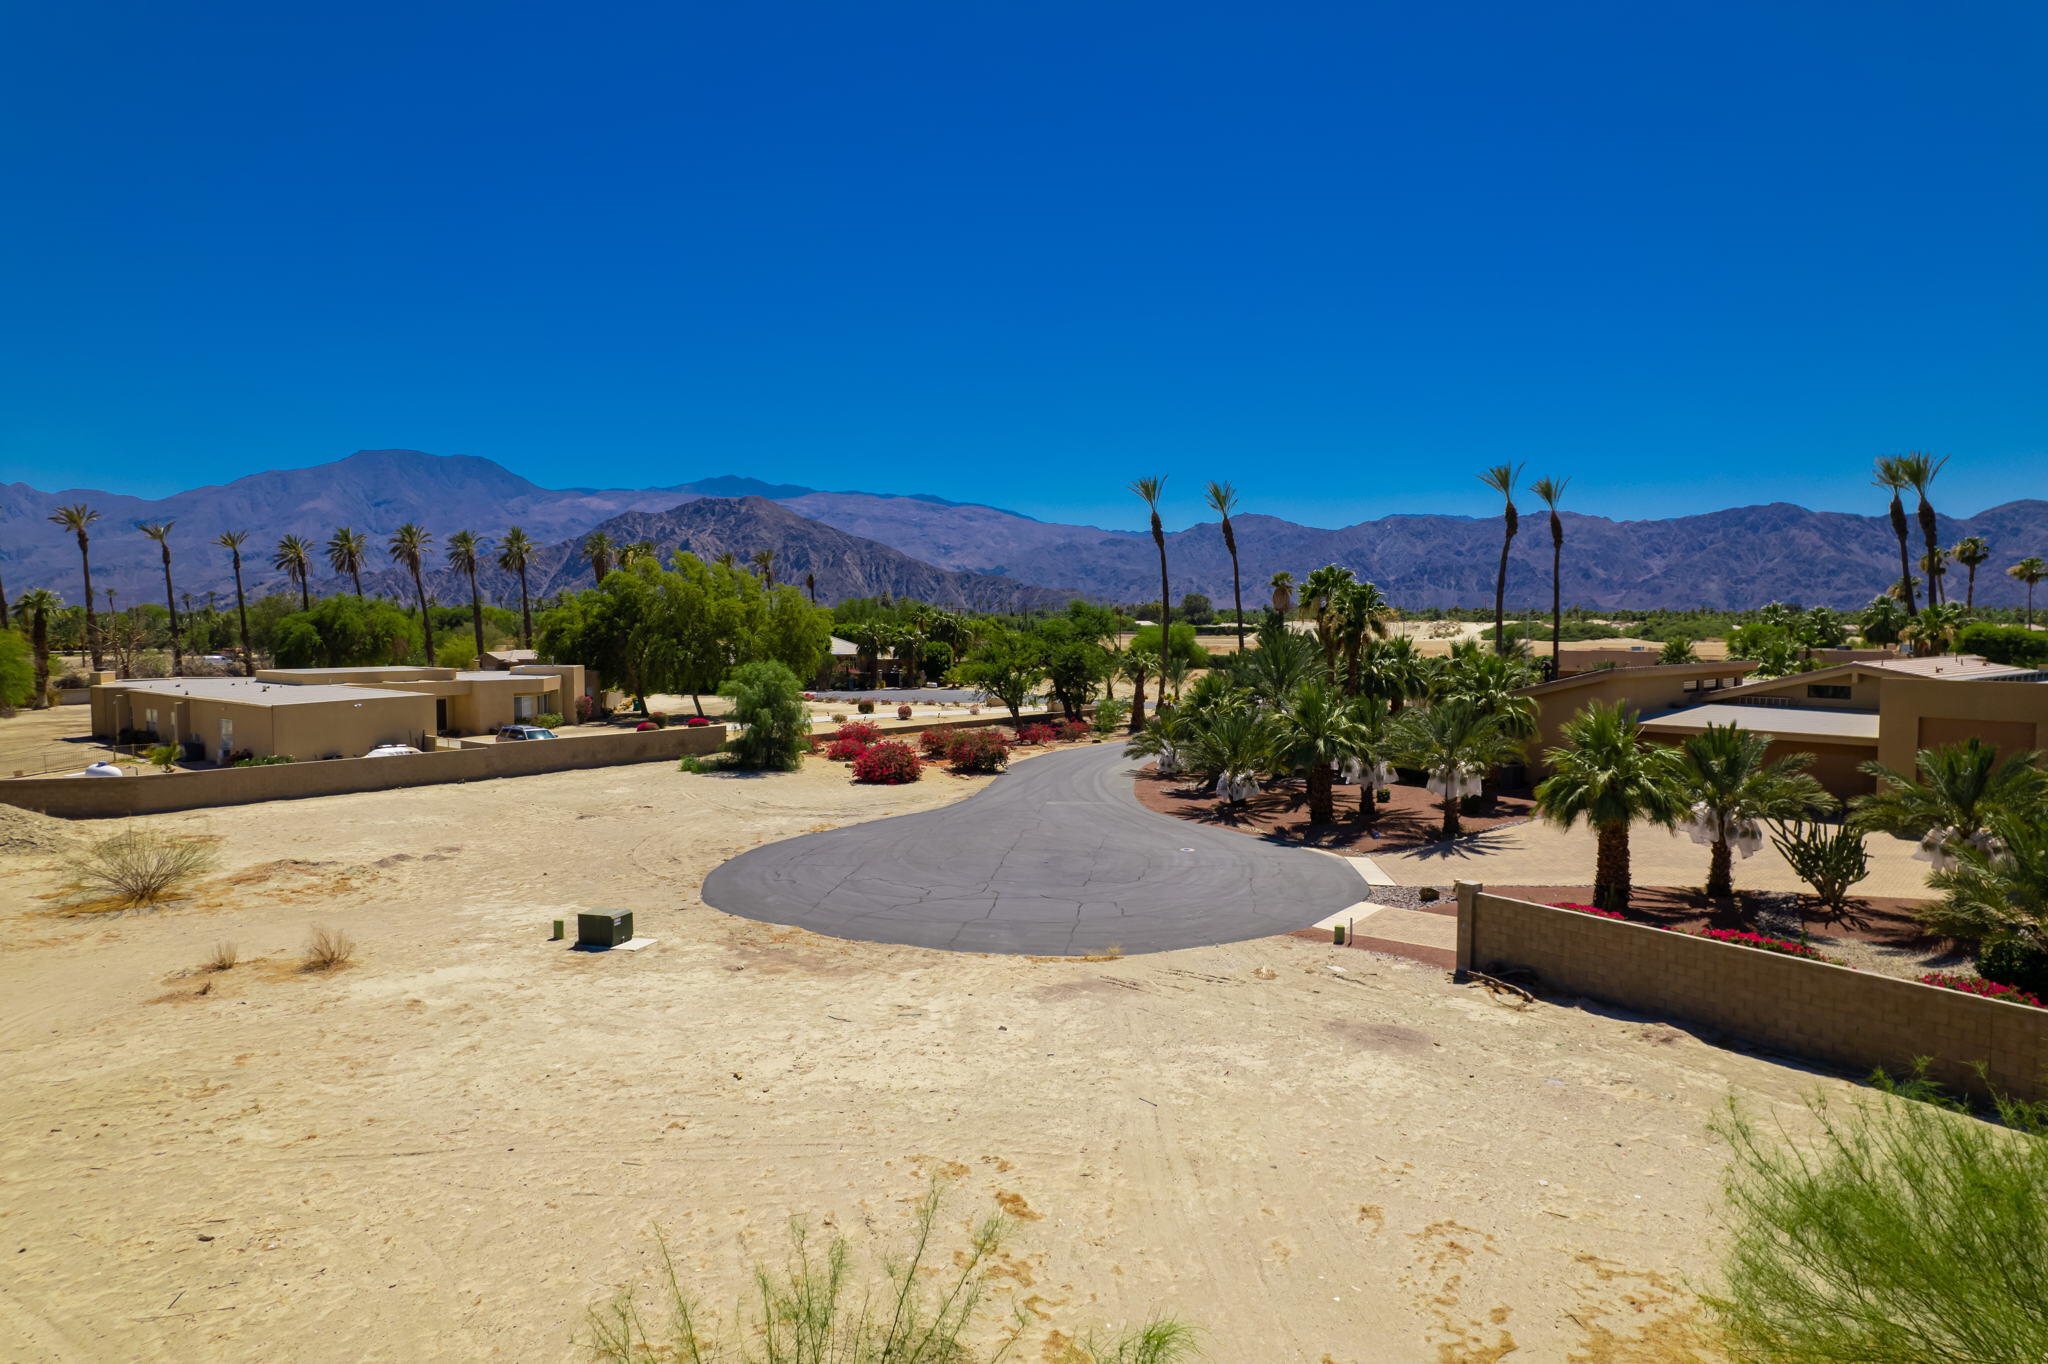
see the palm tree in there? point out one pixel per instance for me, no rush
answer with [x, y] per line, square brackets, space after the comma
[1934, 565]
[1232, 746]
[1371, 765]
[1501, 478]
[811, 586]
[1457, 744]
[232, 541]
[1606, 774]
[409, 547]
[1312, 734]
[2029, 571]
[1730, 785]
[1162, 740]
[1677, 649]
[346, 550]
[463, 548]
[1364, 612]
[294, 558]
[1322, 596]
[515, 555]
[75, 519]
[1550, 490]
[1134, 666]
[596, 550]
[1284, 662]
[1883, 622]
[1282, 584]
[35, 607]
[1891, 475]
[1222, 497]
[1960, 787]
[160, 531]
[1919, 469]
[1996, 891]
[1150, 489]
[1937, 629]
[764, 563]
[1970, 551]
[637, 552]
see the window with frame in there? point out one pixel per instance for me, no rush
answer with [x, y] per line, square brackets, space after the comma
[1826, 691]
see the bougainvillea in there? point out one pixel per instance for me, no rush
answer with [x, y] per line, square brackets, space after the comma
[889, 763]
[1589, 909]
[1740, 938]
[845, 750]
[1073, 731]
[862, 731]
[935, 742]
[1036, 734]
[1977, 985]
[978, 750]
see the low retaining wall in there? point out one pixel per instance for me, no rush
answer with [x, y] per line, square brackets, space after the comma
[1857, 1020]
[101, 797]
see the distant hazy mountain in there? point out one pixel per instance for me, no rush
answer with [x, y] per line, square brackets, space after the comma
[1740, 557]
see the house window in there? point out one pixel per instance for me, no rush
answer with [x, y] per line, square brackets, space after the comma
[1825, 691]
[524, 707]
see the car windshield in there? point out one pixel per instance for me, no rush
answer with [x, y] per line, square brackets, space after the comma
[540, 734]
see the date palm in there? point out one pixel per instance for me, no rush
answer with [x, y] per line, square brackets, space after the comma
[1231, 746]
[1971, 552]
[1959, 787]
[1222, 499]
[294, 558]
[232, 541]
[1312, 734]
[1891, 476]
[346, 550]
[1135, 666]
[1731, 785]
[1550, 490]
[34, 609]
[515, 556]
[1150, 489]
[811, 587]
[463, 550]
[160, 531]
[1501, 478]
[596, 550]
[1998, 891]
[1937, 629]
[1322, 596]
[1457, 744]
[77, 518]
[1282, 585]
[1934, 567]
[1883, 622]
[1365, 613]
[2030, 571]
[409, 544]
[1918, 469]
[1606, 774]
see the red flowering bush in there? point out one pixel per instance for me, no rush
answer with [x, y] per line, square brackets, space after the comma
[935, 743]
[1590, 909]
[1073, 731]
[646, 724]
[843, 750]
[978, 750]
[903, 712]
[1740, 938]
[696, 721]
[889, 763]
[863, 731]
[1977, 985]
[1036, 734]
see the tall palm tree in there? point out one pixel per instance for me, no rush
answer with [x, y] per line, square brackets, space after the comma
[1607, 775]
[764, 564]
[1730, 785]
[409, 545]
[463, 549]
[1883, 622]
[294, 558]
[1934, 567]
[160, 531]
[76, 518]
[2030, 571]
[596, 550]
[1960, 787]
[1135, 665]
[1322, 597]
[1971, 551]
[1551, 490]
[232, 541]
[1282, 584]
[1150, 489]
[1919, 468]
[1222, 498]
[1501, 478]
[35, 607]
[1457, 744]
[1313, 733]
[515, 555]
[346, 550]
[1364, 612]
[811, 586]
[1891, 476]
[1937, 629]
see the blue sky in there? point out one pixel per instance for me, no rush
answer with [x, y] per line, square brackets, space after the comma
[1343, 254]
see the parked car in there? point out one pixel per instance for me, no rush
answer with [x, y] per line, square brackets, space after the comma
[390, 751]
[509, 733]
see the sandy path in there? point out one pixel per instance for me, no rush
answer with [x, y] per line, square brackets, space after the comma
[451, 1149]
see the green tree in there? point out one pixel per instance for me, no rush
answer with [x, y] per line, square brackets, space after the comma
[1883, 622]
[1313, 734]
[232, 541]
[596, 550]
[1971, 552]
[1073, 659]
[768, 704]
[346, 632]
[515, 556]
[463, 550]
[160, 531]
[1230, 746]
[1959, 788]
[1937, 628]
[1996, 888]
[1677, 649]
[1222, 499]
[409, 548]
[1501, 478]
[347, 548]
[1150, 490]
[17, 670]
[1135, 665]
[1918, 468]
[1607, 775]
[1457, 744]
[294, 558]
[1731, 786]
[33, 611]
[78, 519]
[1892, 476]
[1007, 664]
[2030, 571]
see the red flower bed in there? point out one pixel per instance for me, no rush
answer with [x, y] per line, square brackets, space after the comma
[1037, 733]
[863, 731]
[978, 750]
[696, 721]
[1741, 938]
[935, 742]
[845, 750]
[1590, 909]
[1977, 985]
[1073, 731]
[889, 763]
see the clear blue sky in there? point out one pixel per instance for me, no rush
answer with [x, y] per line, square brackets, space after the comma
[1344, 254]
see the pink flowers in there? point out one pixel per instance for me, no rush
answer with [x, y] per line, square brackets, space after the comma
[1977, 985]
[1736, 937]
[889, 763]
[843, 749]
[1589, 909]
[863, 732]
[1037, 734]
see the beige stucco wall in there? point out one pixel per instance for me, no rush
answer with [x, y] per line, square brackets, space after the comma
[1857, 1020]
[1640, 689]
[401, 672]
[1914, 712]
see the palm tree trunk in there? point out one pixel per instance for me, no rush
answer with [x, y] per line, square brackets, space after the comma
[1970, 590]
[92, 622]
[426, 618]
[1138, 704]
[1905, 554]
[526, 614]
[39, 641]
[1611, 888]
[1452, 828]
[1322, 802]
[476, 618]
[1556, 599]
[1368, 809]
[1165, 606]
[305, 591]
[1236, 588]
[357, 575]
[1500, 597]
[242, 610]
[1720, 872]
[171, 600]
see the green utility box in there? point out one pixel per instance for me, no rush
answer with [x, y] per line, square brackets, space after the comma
[605, 929]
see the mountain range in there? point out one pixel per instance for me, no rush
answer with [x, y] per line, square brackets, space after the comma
[968, 555]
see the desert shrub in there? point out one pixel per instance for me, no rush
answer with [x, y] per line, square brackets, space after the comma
[768, 701]
[659, 719]
[903, 712]
[978, 750]
[1906, 1232]
[225, 955]
[889, 763]
[838, 717]
[845, 750]
[2004, 644]
[1038, 733]
[1109, 716]
[692, 763]
[548, 720]
[934, 743]
[267, 760]
[165, 756]
[139, 867]
[919, 1306]
[864, 706]
[1073, 731]
[1830, 858]
[328, 950]
[2012, 962]
[865, 731]
[1977, 985]
[585, 709]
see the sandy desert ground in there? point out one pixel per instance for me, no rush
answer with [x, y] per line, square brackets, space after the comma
[454, 1147]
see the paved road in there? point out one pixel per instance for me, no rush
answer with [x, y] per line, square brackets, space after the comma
[1056, 858]
[964, 695]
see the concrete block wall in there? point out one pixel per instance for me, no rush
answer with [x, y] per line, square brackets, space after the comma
[1857, 1020]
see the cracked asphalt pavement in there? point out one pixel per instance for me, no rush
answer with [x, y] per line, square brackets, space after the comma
[1054, 858]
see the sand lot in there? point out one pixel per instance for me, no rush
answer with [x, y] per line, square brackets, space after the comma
[453, 1147]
